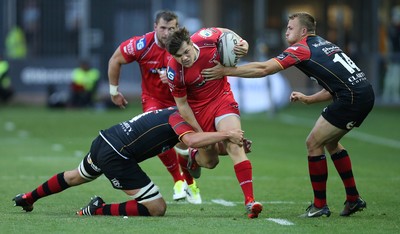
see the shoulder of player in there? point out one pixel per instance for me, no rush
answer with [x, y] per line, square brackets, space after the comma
[205, 36]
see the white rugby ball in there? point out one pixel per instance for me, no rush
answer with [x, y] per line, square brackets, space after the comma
[226, 43]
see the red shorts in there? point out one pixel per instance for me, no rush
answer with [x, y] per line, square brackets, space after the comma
[150, 103]
[223, 105]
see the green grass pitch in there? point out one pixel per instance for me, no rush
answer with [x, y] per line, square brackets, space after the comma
[36, 143]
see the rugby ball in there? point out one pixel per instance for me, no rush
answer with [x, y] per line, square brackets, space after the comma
[226, 43]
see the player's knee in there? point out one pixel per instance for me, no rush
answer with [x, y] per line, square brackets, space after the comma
[73, 178]
[311, 143]
[158, 208]
[150, 201]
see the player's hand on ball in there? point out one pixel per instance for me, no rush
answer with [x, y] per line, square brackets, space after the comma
[241, 48]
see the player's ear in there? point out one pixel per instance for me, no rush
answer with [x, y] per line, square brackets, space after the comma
[304, 31]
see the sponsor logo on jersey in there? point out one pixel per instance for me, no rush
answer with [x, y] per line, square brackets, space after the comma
[200, 84]
[128, 49]
[205, 33]
[282, 56]
[94, 167]
[126, 127]
[357, 78]
[171, 74]
[293, 48]
[350, 125]
[330, 50]
[321, 43]
[140, 44]
[116, 183]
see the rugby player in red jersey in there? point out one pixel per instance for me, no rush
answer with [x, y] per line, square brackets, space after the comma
[343, 82]
[149, 52]
[208, 106]
[117, 151]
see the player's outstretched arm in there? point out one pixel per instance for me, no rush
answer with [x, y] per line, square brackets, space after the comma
[203, 139]
[249, 70]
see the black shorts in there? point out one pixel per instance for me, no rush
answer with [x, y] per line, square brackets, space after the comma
[347, 116]
[124, 174]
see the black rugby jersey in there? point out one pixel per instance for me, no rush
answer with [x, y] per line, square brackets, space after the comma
[326, 63]
[148, 134]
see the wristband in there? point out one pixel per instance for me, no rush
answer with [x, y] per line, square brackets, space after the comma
[113, 90]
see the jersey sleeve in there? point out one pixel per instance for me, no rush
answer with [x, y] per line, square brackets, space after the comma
[206, 36]
[180, 126]
[132, 48]
[293, 55]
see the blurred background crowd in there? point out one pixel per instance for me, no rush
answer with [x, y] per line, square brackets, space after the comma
[44, 43]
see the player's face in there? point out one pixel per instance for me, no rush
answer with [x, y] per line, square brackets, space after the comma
[186, 55]
[294, 31]
[163, 29]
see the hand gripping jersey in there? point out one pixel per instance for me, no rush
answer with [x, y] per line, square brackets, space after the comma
[146, 135]
[149, 56]
[189, 81]
[326, 63]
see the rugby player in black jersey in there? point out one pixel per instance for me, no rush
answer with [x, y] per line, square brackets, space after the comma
[343, 83]
[117, 152]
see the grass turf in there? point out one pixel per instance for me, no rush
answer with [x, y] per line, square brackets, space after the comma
[36, 143]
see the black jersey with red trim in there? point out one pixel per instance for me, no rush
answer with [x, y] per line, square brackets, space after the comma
[325, 62]
[148, 134]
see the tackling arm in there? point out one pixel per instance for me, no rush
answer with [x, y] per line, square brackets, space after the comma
[249, 70]
[203, 139]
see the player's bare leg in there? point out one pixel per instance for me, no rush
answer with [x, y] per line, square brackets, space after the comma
[326, 136]
[242, 166]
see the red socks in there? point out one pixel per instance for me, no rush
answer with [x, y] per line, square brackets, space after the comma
[170, 160]
[244, 175]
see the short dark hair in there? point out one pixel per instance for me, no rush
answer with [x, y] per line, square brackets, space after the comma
[166, 15]
[306, 20]
[175, 40]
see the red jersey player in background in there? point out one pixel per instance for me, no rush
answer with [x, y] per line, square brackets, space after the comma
[208, 106]
[149, 52]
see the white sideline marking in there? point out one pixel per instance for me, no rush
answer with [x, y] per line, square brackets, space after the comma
[223, 202]
[355, 135]
[230, 203]
[281, 221]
